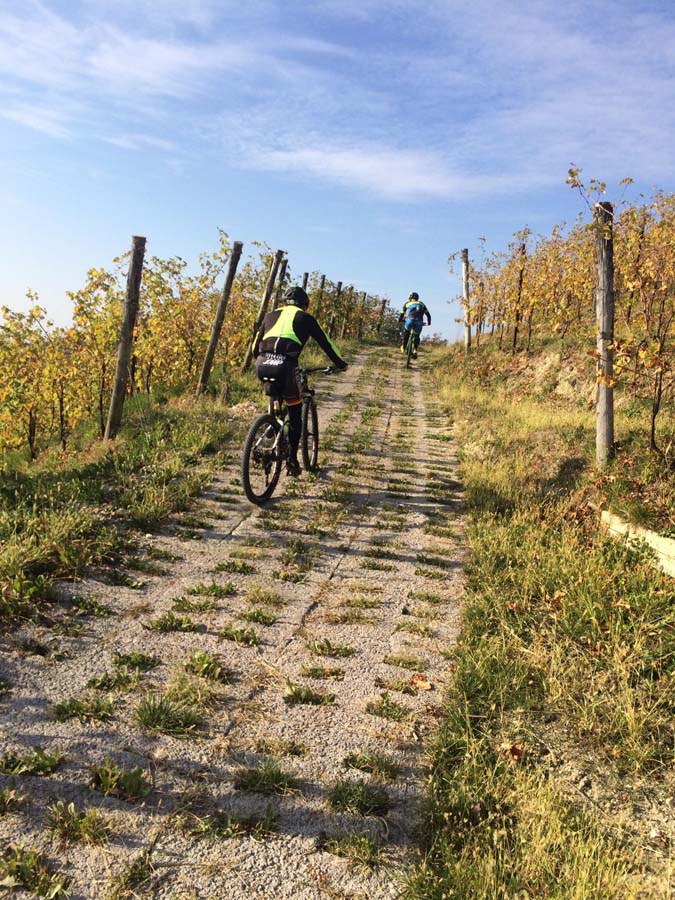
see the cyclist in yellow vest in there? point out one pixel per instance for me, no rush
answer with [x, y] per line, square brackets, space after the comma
[279, 343]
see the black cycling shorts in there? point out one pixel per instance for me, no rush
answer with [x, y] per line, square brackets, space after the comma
[280, 376]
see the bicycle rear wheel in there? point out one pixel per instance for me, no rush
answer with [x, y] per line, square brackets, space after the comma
[309, 437]
[410, 346]
[262, 458]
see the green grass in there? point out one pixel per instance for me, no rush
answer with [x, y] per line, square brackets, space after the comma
[212, 589]
[11, 798]
[383, 767]
[235, 567]
[36, 762]
[415, 628]
[300, 694]
[264, 596]
[325, 647]
[188, 605]
[359, 849]
[358, 798]
[22, 867]
[266, 778]
[386, 708]
[247, 636]
[361, 603]
[280, 747]
[206, 665]
[118, 679]
[560, 624]
[56, 514]
[78, 826]
[86, 709]
[90, 606]
[225, 825]
[126, 884]
[322, 672]
[171, 622]
[156, 713]
[405, 661]
[113, 781]
[428, 597]
[259, 616]
[144, 662]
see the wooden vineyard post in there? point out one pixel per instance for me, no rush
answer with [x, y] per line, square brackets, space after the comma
[319, 301]
[280, 283]
[264, 303]
[338, 291]
[126, 337]
[305, 279]
[521, 273]
[362, 315]
[465, 300]
[348, 308]
[235, 256]
[603, 215]
[380, 324]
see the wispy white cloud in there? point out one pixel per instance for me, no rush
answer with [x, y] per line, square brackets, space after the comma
[450, 106]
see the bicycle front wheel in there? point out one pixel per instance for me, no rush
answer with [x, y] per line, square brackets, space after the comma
[261, 462]
[309, 437]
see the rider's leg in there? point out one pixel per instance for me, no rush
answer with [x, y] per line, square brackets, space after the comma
[404, 339]
[294, 427]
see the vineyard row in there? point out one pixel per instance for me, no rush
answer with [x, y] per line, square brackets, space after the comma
[53, 379]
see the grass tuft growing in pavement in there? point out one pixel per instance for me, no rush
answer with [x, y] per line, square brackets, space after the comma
[300, 694]
[157, 713]
[36, 762]
[358, 798]
[78, 826]
[383, 767]
[21, 867]
[126, 784]
[359, 849]
[386, 708]
[325, 647]
[266, 778]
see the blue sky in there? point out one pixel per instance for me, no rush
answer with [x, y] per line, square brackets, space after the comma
[369, 139]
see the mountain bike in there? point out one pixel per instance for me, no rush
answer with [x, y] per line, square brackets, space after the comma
[266, 446]
[410, 347]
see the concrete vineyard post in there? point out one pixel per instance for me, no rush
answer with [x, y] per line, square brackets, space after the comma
[465, 300]
[264, 303]
[280, 283]
[235, 256]
[603, 215]
[126, 337]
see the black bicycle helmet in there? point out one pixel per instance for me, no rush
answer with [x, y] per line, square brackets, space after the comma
[296, 296]
[414, 296]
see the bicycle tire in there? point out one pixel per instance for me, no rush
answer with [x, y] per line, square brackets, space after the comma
[409, 350]
[309, 436]
[261, 461]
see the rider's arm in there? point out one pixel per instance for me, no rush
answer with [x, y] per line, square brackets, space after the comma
[322, 339]
[428, 315]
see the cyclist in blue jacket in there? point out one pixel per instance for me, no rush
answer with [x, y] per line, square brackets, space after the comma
[413, 315]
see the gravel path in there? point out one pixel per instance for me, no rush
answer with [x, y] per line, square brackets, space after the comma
[302, 776]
